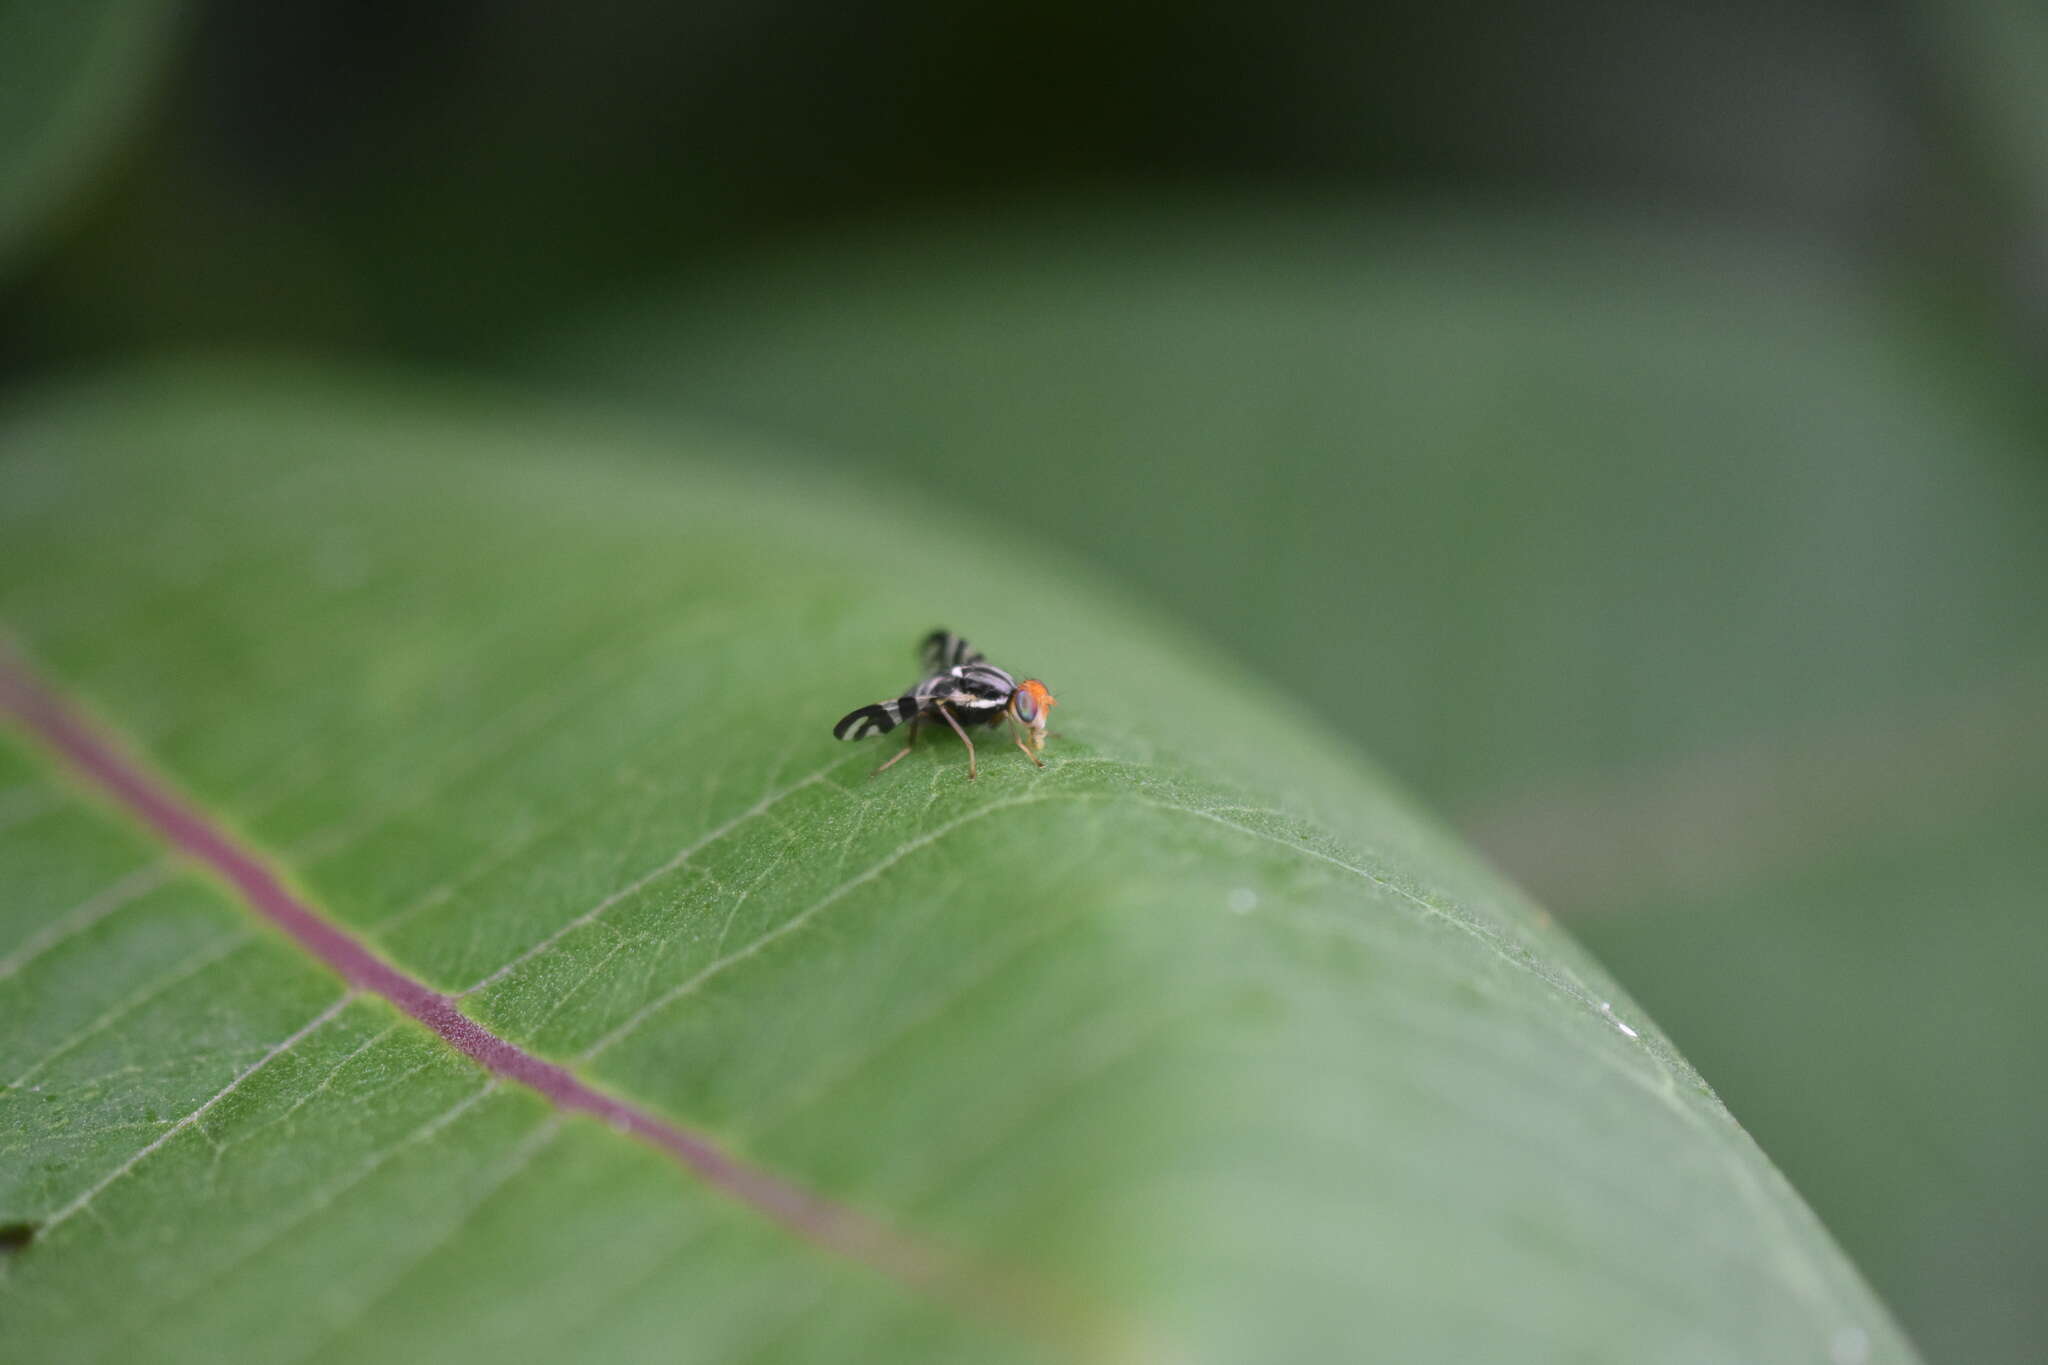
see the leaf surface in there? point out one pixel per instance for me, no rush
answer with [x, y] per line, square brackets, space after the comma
[1200, 1043]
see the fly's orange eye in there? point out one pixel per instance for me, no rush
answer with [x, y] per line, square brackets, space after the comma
[1032, 701]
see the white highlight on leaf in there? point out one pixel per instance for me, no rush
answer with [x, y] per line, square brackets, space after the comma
[1607, 1009]
[1849, 1346]
[1243, 900]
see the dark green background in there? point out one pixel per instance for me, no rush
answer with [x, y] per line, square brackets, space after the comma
[1623, 419]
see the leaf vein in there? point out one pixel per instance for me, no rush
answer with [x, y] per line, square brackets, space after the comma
[800, 919]
[653, 874]
[83, 916]
[191, 966]
[277, 1050]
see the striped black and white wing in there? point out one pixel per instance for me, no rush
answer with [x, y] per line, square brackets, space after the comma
[944, 651]
[878, 719]
[969, 687]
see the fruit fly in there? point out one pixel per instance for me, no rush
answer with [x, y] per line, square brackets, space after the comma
[961, 688]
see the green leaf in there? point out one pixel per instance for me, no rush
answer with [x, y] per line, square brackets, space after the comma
[1686, 571]
[1200, 1043]
[71, 79]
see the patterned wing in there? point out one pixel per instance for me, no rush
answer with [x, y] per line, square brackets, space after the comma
[878, 719]
[943, 650]
[970, 687]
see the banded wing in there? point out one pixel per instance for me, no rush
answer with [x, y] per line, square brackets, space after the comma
[969, 687]
[878, 719]
[943, 650]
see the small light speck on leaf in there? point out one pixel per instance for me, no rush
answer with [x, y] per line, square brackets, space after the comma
[1608, 1010]
[1849, 1346]
[1244, 900]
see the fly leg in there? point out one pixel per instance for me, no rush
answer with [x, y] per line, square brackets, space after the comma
[910, 742]
[943, 711]
[1022, 745]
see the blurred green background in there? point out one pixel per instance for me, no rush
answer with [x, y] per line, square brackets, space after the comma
[1623, 420]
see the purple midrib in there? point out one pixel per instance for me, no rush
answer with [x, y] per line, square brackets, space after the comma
[825, 1223]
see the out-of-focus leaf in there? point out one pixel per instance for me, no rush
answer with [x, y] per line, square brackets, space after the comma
[1991, 54]
[1877, 1001]
[71, 77]
[1199, 1024]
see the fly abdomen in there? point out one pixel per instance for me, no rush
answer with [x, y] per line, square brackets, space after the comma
[878, 719]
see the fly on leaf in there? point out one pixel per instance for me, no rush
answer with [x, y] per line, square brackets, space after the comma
[963, 689]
